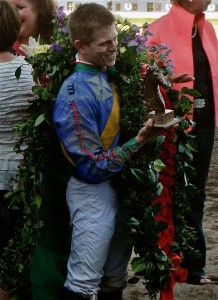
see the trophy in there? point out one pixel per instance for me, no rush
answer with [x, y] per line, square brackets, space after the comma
[162, 117]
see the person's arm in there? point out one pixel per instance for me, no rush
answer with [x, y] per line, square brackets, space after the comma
[179, 78]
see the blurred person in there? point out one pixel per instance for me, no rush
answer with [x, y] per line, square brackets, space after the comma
[195, 58]
[49, 259]
[36, 19]
[14, 101]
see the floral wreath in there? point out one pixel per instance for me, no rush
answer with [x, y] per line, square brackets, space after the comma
[159, 176]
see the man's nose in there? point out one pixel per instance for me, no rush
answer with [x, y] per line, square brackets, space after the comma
[113, 45]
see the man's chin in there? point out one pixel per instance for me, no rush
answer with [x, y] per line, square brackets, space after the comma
[111, 64]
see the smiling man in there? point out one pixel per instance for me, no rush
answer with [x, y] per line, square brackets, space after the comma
[87, 122]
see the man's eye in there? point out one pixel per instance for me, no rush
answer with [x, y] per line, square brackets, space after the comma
[103, 45]
[19, 7]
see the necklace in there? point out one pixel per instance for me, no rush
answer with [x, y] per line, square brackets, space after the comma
[195, 31]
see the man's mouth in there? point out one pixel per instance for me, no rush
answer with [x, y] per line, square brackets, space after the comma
[112, 56]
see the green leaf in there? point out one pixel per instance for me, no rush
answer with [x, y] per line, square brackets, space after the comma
[183, 125]
[190, 171]
[191, 144]
[188, 153]
[138, 265]
[41, 91]
[39, 120]
[181, 148]
[190, 92]
[138, 176]
[26, 234]
[164, 279]
[18, 73]
[37, 200]
[150, 270]
[161, 256]
[38, 225]
[153, 147]
[125, 78]
[133, 222]
[151, 177]
[185, 104]
[160, 266]
[159, 165]
[159, 189]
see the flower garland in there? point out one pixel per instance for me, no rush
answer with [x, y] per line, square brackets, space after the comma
[167, 178]
[171, 198]
[166, 199]
[150, 199]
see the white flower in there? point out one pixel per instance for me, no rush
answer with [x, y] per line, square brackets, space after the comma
[34, 47]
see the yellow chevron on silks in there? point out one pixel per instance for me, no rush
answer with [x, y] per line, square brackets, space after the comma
[113, 123]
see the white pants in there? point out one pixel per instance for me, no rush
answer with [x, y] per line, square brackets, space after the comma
[96, 259]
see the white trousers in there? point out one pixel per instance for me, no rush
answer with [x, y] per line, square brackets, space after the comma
[99, 254]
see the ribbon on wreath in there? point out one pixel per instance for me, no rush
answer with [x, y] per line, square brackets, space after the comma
[177, 274]
[167, 178]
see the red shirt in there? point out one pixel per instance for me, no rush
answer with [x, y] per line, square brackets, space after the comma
[175, 30]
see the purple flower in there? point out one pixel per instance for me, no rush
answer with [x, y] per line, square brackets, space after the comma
[61, 19]
[132, 43]
[148, 32]
[169, 69]
[63, 29]
[124, 39]
[140, 48]
[61, 14]
[56, 47]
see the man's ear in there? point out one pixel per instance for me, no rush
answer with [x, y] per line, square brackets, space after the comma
[79, 46]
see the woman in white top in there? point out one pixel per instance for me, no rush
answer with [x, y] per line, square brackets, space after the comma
[14, 97]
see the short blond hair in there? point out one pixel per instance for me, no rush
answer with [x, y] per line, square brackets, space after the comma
[86, 20]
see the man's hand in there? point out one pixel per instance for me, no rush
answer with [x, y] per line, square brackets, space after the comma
[148, 131]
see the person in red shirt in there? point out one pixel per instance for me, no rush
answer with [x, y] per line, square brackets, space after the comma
[194, 55]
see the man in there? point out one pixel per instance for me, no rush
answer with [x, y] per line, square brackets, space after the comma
[86, 119]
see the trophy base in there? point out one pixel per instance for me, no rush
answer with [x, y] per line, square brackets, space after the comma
[164, 120]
